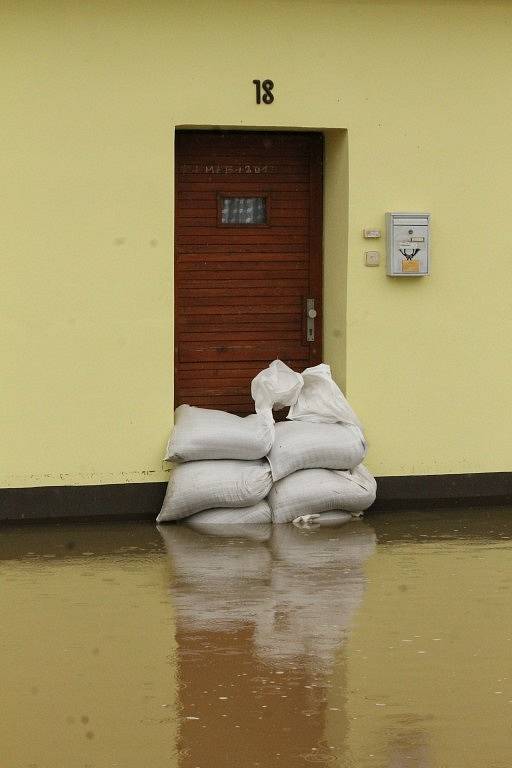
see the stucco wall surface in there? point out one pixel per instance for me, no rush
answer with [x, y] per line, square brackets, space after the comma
[413, 99]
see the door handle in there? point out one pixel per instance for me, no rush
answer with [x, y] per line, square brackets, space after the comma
[310, 319]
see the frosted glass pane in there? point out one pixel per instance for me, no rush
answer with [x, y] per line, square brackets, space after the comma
[244, 210]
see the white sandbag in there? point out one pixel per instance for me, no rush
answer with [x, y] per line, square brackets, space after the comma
[201, 434]
[199, 485]
[311, 491]
[320, 399]
[250, 531]
[309, 445]
[275, 387]
[247, 522]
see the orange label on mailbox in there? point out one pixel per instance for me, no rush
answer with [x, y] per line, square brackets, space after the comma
[410, 265]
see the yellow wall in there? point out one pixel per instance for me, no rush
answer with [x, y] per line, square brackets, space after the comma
[414, 95]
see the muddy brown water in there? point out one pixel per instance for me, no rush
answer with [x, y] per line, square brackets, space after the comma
[384, 643]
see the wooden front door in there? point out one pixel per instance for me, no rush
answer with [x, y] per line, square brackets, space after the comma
[248, 257]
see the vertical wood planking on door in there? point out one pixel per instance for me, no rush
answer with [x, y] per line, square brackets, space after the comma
[240, 291]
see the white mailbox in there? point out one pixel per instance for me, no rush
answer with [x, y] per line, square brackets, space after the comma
[408, 244]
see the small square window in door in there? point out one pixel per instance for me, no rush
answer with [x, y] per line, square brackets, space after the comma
[243, 211]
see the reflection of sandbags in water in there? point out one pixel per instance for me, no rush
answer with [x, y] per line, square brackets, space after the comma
[199, 485]
[218, 582]
[348, 547]
[300, 592]
[317, 585]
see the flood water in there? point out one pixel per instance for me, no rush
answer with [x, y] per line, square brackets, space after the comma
[384, 643]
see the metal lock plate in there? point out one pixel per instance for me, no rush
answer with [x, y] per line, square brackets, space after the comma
[310, 319]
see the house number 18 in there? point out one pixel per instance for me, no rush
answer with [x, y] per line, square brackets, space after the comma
[266, 86]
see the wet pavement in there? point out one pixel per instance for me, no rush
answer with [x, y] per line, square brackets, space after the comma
[386, 642]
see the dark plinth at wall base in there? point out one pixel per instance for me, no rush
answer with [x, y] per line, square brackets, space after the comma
[126, 501]
[138, 501]
[465, 490]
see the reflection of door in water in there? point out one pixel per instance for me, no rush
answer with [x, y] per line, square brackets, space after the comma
[248, 255]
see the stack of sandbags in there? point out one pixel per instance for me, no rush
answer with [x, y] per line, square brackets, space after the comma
[316, 458]
[308, 466]
[220, 467]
